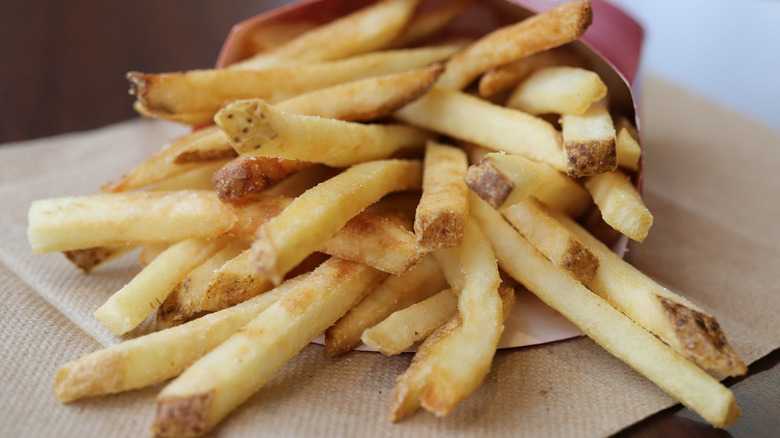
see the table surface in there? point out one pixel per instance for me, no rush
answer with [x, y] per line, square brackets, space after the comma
[62, 67]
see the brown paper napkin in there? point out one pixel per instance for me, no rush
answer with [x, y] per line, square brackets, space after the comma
[710, 183]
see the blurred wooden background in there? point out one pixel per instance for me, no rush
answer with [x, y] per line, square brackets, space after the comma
[63, 63]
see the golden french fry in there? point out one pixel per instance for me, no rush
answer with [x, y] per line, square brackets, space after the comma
[427, 23]
[258, 129]
[246, 175]
[317, 214]
[184, 300]
[412, 384]
[411, 324]
[80, 222]
[366, 99]
[559, 90]
[606, 325]
[131, 304]
[628, 150]
[158, 356]
[88, 259]
[272, 35]
[236, 281]
[442, 210]
[472, 119]
[163, 164]
[194, 96]
[504, 179]
[461, 369]
[681, 324]
[394, 293]
[552, 239]
[371, 28]
[199, 178]
[589, 141]
[620, 204]
[539, 32]
[224, 378]
[508, 76]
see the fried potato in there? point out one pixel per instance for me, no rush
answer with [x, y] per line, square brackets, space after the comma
[589, 141]
[157, 356]
[547, 30]
[184, 300]
[412, 324]
[244, 175]
[371, 28]
[606, 325]
[552, 239]
[628, 151]
[236, 281]
[620, 204]
[505, 179]
[558, 90]
[162, 164]
[472, 119]
[194, 96]
[394, 293]
[682, 325]
[412, 384]
[80, 222]
[317, 214]
[258, 129]
[441, 213]
[428, 22]
[88, 259]
[224, 378]
[366, 99]
[510, 75]
[198, 178]
[131, 304]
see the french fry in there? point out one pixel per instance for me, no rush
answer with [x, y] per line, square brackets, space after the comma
[559, 90]
[682, 325]
[236, 281]
[273, 35]
[245, 175]
[429, 22]
[539, 32]
[194, 96]
[126, 219]
[198, 178]
[317, 214]
[620, 204]
[611, 329]
[217, 383]
[504, 179]
[157, 356]
[376, 241]
[589, 141]
[412, 384]
[371, 28]
[366, 99]
[442, 210]
[415, 323]
[131, 304]
[472, 119]
[628, 151]
[162, 164]
[258, 129]
[552, 239]
[184, 300]
[88, 259]
[508, 76]
[460, 370]
[394, 293]
[150, 251]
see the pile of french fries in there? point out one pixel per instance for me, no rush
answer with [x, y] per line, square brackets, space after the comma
[381, 181]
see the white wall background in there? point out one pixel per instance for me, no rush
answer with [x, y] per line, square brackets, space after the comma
[725, 50]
